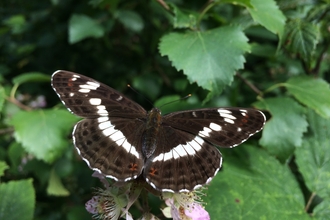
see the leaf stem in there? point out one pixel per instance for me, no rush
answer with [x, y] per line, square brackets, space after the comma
[316, 69]
[274, 87]
[310, 201]
[19, 104]
[249, 84]
[208, 6]
[6, 131]
[13, 100]
[162, 3]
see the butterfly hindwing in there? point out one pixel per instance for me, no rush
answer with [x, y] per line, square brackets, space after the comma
[181, 162]
[111, 147]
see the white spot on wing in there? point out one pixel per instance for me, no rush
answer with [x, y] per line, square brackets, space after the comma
[95, 101]
[101, 110]
[243, 112]
[229, 120]
[215, 127]
[102, 119]
[94, 84]
[119, 98]
[84, 90]
[104, 125]
[224, 111]
[205, 133]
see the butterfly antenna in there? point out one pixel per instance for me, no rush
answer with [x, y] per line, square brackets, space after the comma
[140, 94]
[182, 98]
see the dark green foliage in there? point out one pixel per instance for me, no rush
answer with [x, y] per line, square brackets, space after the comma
[273, 55]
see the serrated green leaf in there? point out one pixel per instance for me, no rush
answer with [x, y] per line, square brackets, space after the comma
[55, 186]
[313, 157]
[31, 77]
[17, 200]
[284, 130]
[322, 211]
[245, 3]
[184, 18]
[267, 13]
[3, 167]
[312, 92]
[301, 37]
[130, 19]
[254, 185]
[42, 132]
[82, 27]
[208, 58]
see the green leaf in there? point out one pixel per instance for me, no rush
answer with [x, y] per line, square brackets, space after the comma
[313, 157]
[245, 3]
[312, 92]
[17, 23]
[3, 167]
[2, 97]
[284, 130]
[82, 27]
[148, 84]
[130, 19]
[301, 37]
[208, 58]
[31, 77]
[17, 200]
[267, 13]
[254, 185]
[43, 133]
[184, 18]
[322, 211]
[55, 186]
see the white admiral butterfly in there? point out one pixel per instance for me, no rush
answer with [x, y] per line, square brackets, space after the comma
[173, 153]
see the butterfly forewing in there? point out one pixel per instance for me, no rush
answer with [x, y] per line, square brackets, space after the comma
[89, 98]
[174, 153]
[225, 127]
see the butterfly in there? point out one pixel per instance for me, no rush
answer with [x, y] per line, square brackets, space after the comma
[173, 153]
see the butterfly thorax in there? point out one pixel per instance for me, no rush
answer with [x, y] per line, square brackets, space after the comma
[154, 120]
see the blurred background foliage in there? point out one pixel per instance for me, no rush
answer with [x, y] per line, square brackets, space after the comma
[273, 55]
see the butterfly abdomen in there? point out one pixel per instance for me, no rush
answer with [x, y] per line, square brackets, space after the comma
[153, 123]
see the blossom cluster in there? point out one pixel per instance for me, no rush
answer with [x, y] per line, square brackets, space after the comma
[114, 201]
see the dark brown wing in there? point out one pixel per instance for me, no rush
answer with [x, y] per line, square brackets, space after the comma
[89, 98]
[224, 127]
[181, 162]
[109, 138]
